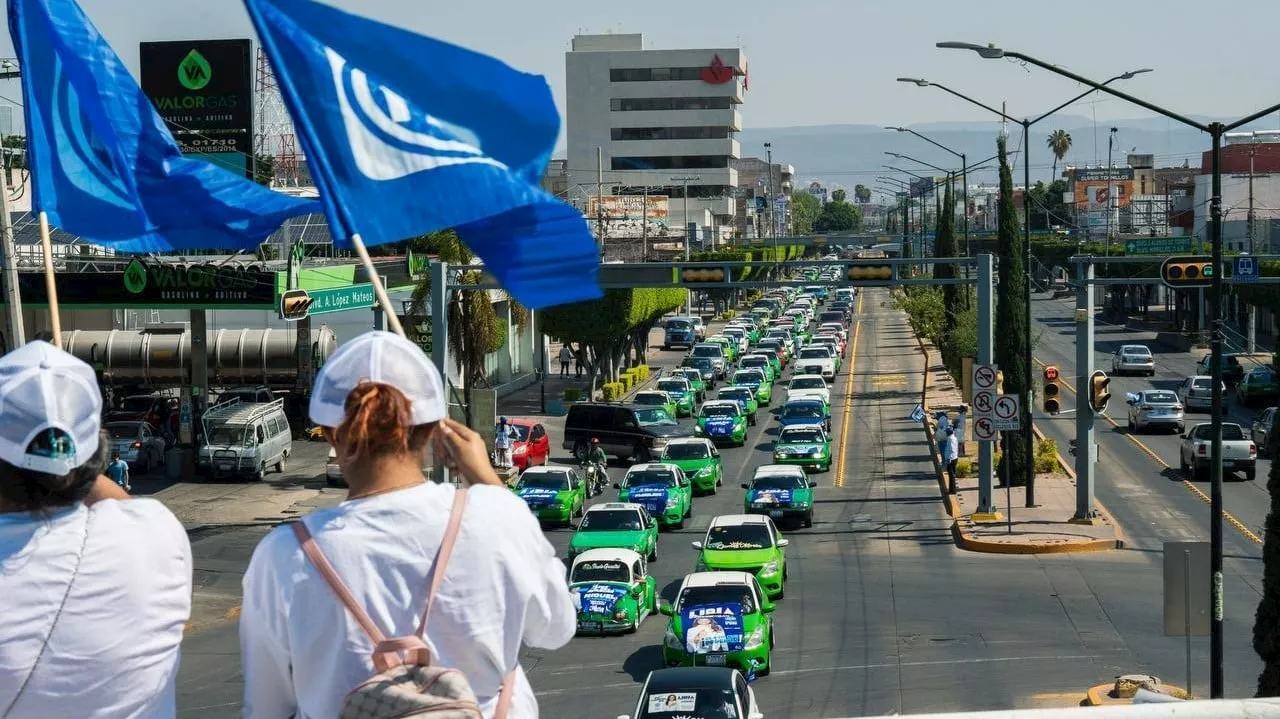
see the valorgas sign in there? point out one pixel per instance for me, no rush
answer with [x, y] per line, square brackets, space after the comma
[148, 285]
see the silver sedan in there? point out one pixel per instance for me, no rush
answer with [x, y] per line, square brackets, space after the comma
[1154, 408]
[1133, 358]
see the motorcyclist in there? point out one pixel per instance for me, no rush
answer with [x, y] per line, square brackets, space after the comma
[598, 462]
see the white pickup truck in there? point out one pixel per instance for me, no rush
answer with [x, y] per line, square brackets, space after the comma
[1239, 453]
[817, 359]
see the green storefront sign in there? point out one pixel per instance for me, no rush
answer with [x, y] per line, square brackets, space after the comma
[1157, 246]
[339, 299]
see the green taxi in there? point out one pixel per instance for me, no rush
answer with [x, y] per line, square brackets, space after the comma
[804, 445]
[730, 347]
[612, 590]
[722, 421]
[616, 525]
[770, 351]
[719, 619]
[781, 492]
[681, 392]
[762, 362]
[655, 398]
[744, 396]
[662, 489]
[750, 328]
[694, 375]
[757, 381]
[746, 543]
[555, 494]
[699, 459]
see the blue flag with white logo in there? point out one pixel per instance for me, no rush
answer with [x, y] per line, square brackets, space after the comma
[406, 135]
[103, 164]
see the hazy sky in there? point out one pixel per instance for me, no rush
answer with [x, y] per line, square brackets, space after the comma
[834, 61]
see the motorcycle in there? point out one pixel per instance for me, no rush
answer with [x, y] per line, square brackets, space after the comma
[596, 476]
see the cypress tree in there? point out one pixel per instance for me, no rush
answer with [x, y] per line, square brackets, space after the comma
[945, 246]
[1014, 345]
[1266, 623]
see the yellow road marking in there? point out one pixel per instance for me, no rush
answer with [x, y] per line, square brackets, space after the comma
[889, 379]
[848, 397]
[1151, 453]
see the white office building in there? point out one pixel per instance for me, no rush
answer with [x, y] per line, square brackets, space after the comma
[655, 115]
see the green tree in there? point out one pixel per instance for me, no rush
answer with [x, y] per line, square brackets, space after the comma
[1266, 624]
[944, 245]
[1059, 143]
[805, 209]
[1014, 344]
[838, 216]
[264, 169]
[862, 193]
[838, 195]
[15, 151]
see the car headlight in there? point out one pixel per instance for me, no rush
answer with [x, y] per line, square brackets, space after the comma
[802, 503]
[770, 568]
[697, 429]
[704, 472]
[620, 615]
[815, 452]
[672, 641]
[756, 639]
[521, 449]
[779, 454]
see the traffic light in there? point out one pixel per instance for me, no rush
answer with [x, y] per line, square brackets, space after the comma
[1178, 272]
[295, 305]
[1098, 394]
[1050, 393]
[702, 274]
[870, 272]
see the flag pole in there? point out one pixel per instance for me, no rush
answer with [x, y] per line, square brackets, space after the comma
[393, 320]
[51, 287]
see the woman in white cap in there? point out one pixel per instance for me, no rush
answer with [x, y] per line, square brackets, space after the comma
[499, 586]
[96, 586]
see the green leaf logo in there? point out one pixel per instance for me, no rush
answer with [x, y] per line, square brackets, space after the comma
[135, 277]
[194, 71]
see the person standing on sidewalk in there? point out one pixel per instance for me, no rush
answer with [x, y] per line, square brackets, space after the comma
[959, 427]
[118, 471]
[504, 437]
[566, 356]
[950, 448]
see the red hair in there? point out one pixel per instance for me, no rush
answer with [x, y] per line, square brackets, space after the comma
[378, 423]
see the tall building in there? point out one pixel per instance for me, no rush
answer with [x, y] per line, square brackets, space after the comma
[755, 178]
[646, 117]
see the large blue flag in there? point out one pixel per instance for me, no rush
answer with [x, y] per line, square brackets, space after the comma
[406, 135]
[103, 164]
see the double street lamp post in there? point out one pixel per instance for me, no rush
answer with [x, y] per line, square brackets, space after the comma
[964, 174]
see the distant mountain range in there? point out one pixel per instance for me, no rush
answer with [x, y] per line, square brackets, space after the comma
[845, 155]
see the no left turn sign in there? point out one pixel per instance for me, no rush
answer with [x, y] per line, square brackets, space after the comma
[984, 430]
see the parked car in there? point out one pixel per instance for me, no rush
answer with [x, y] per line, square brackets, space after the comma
[136, 444]
[1239, 453]
[1260, 429]
[1154, 408]
[1258, 385]
[244, 439]
[1133, 359]
[531, 447]
[154, 409]
[1196, 393]
[620, 430]
[1234, 365]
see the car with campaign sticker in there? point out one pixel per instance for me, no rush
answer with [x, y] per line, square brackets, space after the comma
[762, 362]
[755, 379]
[747, 543]
[745, 397]
[616, 525]
[700, 461]
[705, 367]
[662, 489]
[804, 445]
[555, 493]
[694, 375]
[612, 590]
[719, 619]
[680, 390]
[696, 692]
[805, 411]
[655, 398]
[722, 421]
[782, 492]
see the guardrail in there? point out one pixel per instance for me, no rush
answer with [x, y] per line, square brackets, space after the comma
[1217, 709]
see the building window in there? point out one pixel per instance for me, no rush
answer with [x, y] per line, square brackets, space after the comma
[640, 104]
[670, 162]
[695, 191]
[654, 74]
[703, 132]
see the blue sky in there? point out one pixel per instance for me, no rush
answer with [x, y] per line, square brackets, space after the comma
[834, 61]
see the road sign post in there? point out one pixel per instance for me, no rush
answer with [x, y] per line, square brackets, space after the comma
[1007, 413]
[1084, 416]
[986, 356]
[984, 429]
[1244, 268]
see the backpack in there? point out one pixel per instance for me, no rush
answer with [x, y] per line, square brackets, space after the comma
[407, 684]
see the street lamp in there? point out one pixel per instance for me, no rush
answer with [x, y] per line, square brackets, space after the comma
[1216, 130]
[1026, 225]
[964, 175]
[687, 239]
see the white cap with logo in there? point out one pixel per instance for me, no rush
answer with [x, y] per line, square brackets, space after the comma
[50, 409]
[381, 357]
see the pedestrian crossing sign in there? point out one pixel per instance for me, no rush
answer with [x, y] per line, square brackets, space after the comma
[917, 414]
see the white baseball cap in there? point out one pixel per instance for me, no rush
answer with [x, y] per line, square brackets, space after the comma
[50, 409]
[384, 358]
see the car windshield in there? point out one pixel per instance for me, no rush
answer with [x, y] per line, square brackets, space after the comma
[137, 404]
[612, 520]
[736, 393]
[679, 325]
[122, 430]
[717, 594]
[1201, 383]
[1229, 432]
[746, 378]
[708, 351]
[686, 451]
[699, 362]
[672, 385]
[755, 362]
[227, 434]
[650, 476]
[545, 480]
[780, 481]
[1137, 351]
[738, 536]
[805, 435]
[808, 383]
[802, 411]
[652, 399]
[601, 571]
[703, 703]
[719, 410]
[652, 416]
[815, 353]
[522, 432]
[693, 375]
[771, 346]
[1161, 396]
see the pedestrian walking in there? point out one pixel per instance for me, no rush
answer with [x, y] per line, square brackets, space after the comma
[460, 577]
[504, 437]
[118, 471]
[97, 585]
[961, 420]
[566, 356]
[943, 422]
[949, 456]
[577, 364]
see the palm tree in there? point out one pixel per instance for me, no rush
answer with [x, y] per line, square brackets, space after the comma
[1059, 143]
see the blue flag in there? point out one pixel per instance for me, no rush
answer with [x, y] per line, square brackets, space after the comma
[103, 164]
[406, 135]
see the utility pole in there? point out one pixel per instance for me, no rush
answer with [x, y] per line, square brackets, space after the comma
[15, 334]
[1252, 312]
[644, 224]
[688, 236]
[1111, 188]
[768, 153]
[599, 198]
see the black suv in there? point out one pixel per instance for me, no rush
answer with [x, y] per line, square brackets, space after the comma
[623, 430]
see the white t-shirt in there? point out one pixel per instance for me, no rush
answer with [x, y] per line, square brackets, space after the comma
[114, 650]
[302, 651]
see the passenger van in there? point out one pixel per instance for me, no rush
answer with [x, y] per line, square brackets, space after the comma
[679, 331]
[244, 439]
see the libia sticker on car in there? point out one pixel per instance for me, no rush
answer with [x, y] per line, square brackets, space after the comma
[713, 628]
[773, 496]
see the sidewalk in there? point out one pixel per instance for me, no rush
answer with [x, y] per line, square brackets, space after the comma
[1043, 529]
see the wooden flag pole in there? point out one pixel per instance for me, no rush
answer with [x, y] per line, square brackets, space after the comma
[51, 287]
[393, 319]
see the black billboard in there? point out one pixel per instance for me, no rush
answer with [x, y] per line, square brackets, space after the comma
[154, 285]
[204, 91]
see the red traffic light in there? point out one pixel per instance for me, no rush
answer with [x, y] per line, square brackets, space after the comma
[1051, 373]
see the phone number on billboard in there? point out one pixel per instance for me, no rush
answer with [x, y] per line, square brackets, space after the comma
[210, 144]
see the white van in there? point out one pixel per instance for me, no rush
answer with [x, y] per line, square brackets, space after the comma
[243, 439]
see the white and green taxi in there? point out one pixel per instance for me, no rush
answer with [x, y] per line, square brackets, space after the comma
[613, 591]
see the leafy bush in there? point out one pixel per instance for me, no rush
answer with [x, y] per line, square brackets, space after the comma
[727, 315]
[612, 391]
[966, 467]
[641, 371]
[572, 394]
[1046, 457]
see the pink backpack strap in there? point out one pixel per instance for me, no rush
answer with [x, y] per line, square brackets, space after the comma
[321, 563]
